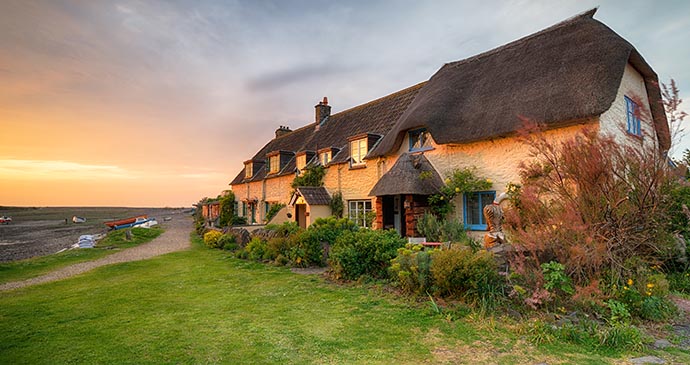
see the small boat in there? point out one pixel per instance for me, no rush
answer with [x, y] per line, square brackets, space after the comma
[138, 221]
[121, 222]
[5, 220]
[76, 219]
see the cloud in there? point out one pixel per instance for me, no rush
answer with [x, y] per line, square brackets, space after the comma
[300, 73]
[16, 169]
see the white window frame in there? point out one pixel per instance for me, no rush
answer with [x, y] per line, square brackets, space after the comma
[358, 149]
[325, 158]
[273, 164]
[301, 162]
[357, 211]
[248, 170]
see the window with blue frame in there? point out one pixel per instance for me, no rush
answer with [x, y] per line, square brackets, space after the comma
[419, 140]
[633, 117]
[473, 208]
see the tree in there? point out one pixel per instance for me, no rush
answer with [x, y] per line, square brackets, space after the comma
[227, 208]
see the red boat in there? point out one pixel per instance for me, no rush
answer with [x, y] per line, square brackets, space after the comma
[120, 222]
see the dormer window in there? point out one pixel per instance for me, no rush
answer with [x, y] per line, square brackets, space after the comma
[248, 170]
[633, 117]
[301, 161]
[420, 140]
[273, 164]
[358, 149]
[325, 157]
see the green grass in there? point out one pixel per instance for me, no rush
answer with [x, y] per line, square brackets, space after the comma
[37, 266]
[201, 306]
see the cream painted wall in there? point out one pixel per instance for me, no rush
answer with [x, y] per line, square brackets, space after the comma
[354, 184]
[614, 120]
[496, 160]
[317, 211]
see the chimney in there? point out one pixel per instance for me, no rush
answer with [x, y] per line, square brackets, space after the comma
[282, 130]
[322, 110]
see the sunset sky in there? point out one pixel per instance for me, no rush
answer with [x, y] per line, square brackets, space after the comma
[146, 103]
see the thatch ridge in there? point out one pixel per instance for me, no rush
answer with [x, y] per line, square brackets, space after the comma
[565, 73]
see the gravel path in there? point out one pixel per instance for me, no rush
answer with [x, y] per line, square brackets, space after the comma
[175, 238]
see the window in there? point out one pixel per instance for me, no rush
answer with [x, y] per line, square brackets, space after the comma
[633, 117]
[248, 170]
[358, 210]
[273, 164]
[358, 149]
[325, 158]
[473, 207]
[301, 162]
[244, 209]
[419, 140]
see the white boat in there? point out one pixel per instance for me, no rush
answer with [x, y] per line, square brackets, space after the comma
[76, 219]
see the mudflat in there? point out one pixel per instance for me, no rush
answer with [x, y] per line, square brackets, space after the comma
[44, 231]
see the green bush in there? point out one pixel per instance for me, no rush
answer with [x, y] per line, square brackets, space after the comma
[444, 230]
[279, 246]
[411, 269]
[227, 242]
[364, 252]
[679, 282]
[467, 274]
[284, 230]
[555, 279]
[211, 239]
[256, 249]
[657, 309]
[308, 249]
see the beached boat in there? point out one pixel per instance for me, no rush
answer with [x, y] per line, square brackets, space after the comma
[76, 219]
[5, 220]
[137, 222]
[121, 222]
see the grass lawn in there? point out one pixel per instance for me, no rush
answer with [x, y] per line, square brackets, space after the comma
[37, 266]
[200, 306]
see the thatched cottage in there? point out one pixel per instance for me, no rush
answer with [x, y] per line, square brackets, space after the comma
[574, 74]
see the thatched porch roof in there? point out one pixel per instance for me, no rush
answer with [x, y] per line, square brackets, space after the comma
[411, 174]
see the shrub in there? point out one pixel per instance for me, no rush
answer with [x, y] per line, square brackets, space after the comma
[278, 246]
[679, 282]
[657, 309]
[284, 230]
[227, 208]
[256, 249]
[467, 274]
[211, 239]
[444, 230]
[227, 242]
[555, 279]
[411, 269]
[364, 252]
[308, 248]
[590, 204]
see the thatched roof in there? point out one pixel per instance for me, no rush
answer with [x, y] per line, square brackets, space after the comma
[568, 72]
[411, 174]
[313, 195]
[376, 117]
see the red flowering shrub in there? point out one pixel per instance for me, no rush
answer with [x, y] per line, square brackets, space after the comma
[591, 204]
